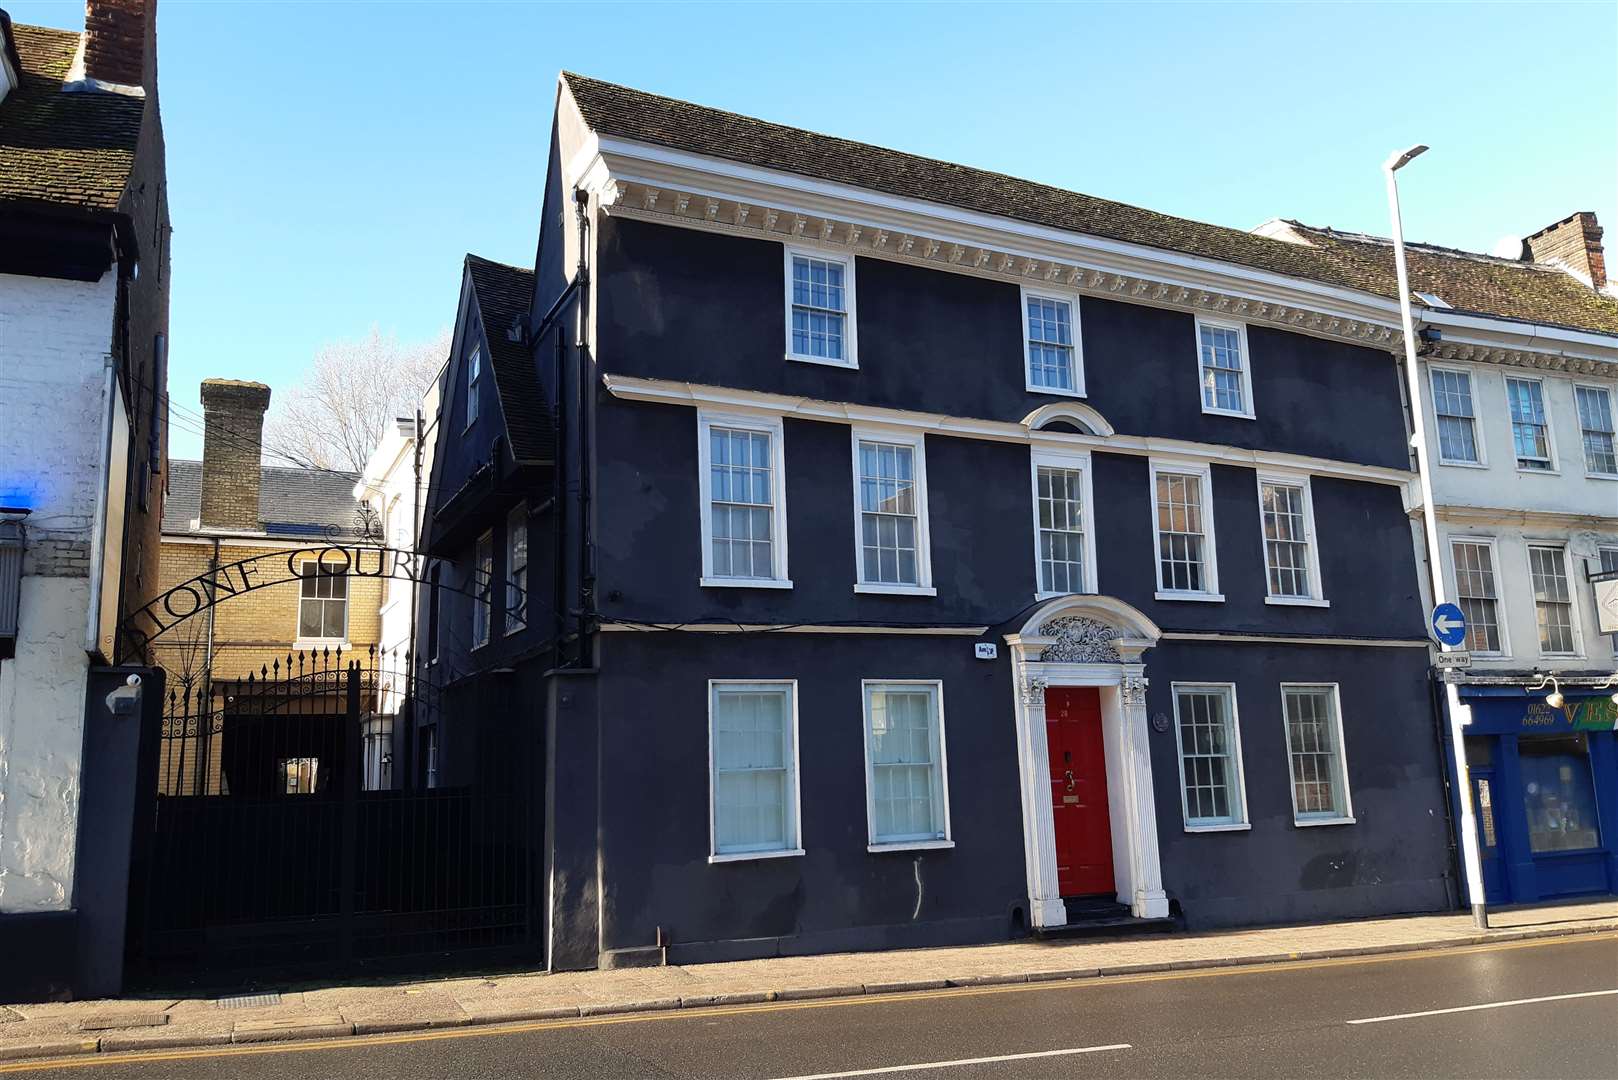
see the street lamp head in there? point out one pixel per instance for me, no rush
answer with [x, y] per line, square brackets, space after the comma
[1399, 160]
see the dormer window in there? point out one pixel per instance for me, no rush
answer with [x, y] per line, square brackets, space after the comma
[474, 370]
[820, 308]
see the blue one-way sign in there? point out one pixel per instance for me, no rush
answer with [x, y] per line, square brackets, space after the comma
[1449, 625]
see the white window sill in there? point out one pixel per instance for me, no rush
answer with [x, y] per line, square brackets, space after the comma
[1562, 656]
[1305, 823]
[850, 365]
[896, 590]
[748, 856]
[1601, 476]
[1539, 472]
[1238, 826]
[745, 583]
[911, 845]
[1232, 413]
[1058, 391]
[1463, 464]
[1203, 597]
[1296, 601]
[323, 643]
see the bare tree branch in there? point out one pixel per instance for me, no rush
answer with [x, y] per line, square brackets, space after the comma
[336, 416]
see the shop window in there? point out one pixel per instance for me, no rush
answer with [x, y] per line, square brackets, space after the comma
[1559, 794]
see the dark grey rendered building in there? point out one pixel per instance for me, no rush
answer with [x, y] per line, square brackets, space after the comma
[878, 552]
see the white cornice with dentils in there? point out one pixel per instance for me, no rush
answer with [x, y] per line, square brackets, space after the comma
[638, 180]
[671, 392]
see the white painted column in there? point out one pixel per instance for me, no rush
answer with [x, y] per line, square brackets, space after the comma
[1146, 870]
[1039, 826]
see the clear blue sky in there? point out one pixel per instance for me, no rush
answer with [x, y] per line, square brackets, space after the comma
[331, 163]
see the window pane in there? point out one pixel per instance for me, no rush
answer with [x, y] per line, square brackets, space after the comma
[1180, 535]
[818, 311]
[1316, 757]
[1530, 436]
[1286, 540]
[888, 519]
[1222, 368]
[1050, 343]
[1559, 792]
[1061, 529]
[752, 753]
[742, 496]
[1452, 402]
[1475, 590]
[1208, 756]
[1553, 601]
[1596, 428]
[906, 766]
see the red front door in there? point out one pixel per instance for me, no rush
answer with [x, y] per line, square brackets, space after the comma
[1079, 790]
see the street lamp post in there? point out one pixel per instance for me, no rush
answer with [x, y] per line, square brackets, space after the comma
[1429, 517]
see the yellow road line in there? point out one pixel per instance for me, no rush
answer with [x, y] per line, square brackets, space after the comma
[354, 1042]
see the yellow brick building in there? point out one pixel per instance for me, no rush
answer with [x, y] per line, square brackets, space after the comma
[274, 548]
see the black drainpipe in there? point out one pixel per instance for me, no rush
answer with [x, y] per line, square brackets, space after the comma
[1440, 704]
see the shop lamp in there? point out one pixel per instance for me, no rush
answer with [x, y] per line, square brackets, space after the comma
[1554, 699]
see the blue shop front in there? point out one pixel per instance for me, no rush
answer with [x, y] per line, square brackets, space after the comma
[1545, 791]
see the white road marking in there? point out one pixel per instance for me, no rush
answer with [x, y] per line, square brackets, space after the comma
[958, 1061]
[1488, 1005]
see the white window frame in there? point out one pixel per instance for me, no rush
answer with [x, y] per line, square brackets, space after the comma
[1493, 545]
[924, 557]
[795, 797]
[1060, 296]
[1612, 414]
[1246, 371]
[1561, 545]
[851, 355]
[516, 620]
[771, 425]
[1317, 594]
[1065, 459]
[940, 745]
[482, 608]
[1555, 465]
[1347, 816]
[1241, 822]
[1601, 550]
[1478, 441]
[474, 374]
[1204, 470]
[301, 642]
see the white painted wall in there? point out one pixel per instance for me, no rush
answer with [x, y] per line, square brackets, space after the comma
[1514, 508]
[388, 484]
[55, 342]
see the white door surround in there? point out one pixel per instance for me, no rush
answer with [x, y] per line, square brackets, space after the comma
[1082, 640]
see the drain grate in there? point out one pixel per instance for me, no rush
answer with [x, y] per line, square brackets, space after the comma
[248, 1001]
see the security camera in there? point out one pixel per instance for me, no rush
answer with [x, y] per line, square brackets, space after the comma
[132, 681]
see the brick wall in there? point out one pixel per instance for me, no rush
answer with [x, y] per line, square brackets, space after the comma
[1574, 243]
[232, 444]
[251, 630]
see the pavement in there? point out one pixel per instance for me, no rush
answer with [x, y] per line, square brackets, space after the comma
[114, 1027]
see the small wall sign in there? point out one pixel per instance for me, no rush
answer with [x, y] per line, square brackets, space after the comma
[986, 650]
[1160, 722]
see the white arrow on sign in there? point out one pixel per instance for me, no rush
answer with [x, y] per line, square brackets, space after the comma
[1445, 624]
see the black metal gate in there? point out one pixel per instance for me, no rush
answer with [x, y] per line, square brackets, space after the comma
[322, 817]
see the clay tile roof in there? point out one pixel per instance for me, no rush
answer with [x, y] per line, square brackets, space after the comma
[1475, 283]
[1467, 281]
[503, 295]
[63, 149]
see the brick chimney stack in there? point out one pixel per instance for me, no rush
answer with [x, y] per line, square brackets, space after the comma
[1574, 244]
[232, 444]
[120, 42]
